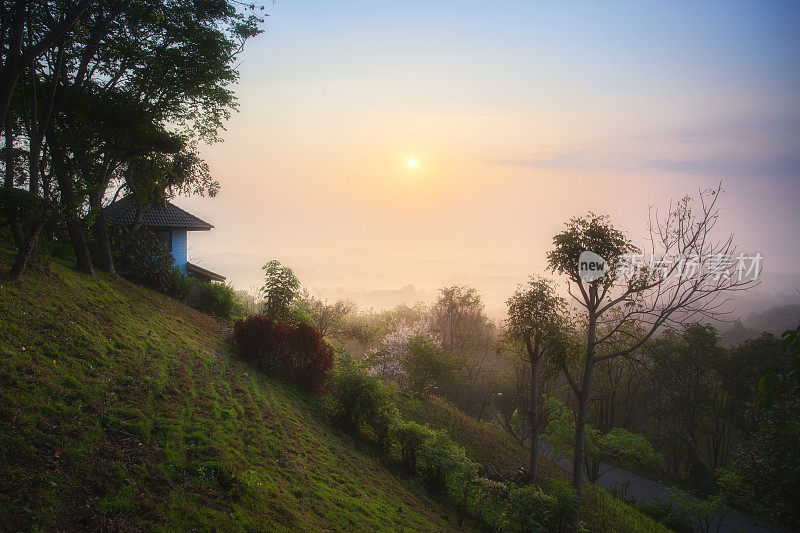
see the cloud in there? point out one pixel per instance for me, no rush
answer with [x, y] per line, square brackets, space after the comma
[737, 149]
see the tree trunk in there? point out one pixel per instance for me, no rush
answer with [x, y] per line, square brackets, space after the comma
[8, 183]
[25, 251]
[583, 409]
[535, 359]
[100, 230]
[83, 258]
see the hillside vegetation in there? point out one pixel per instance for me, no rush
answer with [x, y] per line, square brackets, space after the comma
[120, 408]
[123, 409]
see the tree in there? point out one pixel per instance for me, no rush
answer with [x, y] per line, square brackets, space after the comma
[280, 290]
[686, 283]
[43, 23]
[458, 320]
[689, 400]
[329, 318]
[535, 318]
[427, 366]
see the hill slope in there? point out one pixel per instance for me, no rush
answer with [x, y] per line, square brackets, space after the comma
[120, 408]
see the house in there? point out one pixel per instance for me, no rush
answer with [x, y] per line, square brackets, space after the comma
[172, 224]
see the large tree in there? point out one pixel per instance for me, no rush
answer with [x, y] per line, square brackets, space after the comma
[687, 277]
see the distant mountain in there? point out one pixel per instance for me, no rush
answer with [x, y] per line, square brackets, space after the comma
[774, 320]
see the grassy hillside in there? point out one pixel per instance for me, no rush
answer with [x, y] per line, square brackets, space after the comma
[122, 409]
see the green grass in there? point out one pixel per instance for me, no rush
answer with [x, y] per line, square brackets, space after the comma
[122, 409]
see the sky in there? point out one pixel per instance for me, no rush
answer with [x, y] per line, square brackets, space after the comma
[520, 115]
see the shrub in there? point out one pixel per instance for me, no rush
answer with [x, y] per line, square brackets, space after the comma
[410, 437]
[177, 284]
[220, 300]
[142, 257]
[261, 341]
[356, 398]
[675, 518]
[490, 501]
[530, 508]
[443, 461]
[308, 358]
[298, 353]
[564, 512]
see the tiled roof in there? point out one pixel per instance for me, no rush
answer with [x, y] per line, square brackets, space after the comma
[204, 272]
[170, 216]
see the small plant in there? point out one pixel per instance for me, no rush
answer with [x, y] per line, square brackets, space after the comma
[675, 518]
[178, 285]
[563, 513]
[356, 398]
[707, 514]
[281, 289]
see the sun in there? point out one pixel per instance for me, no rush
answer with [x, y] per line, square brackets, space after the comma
[413, 163]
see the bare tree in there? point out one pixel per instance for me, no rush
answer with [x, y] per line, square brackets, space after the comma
[689, 276]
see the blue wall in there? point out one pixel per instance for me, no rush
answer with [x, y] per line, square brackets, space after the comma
[179, 245]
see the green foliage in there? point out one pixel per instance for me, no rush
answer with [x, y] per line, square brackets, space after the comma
[142, 257]
[428, 366]
[666, 512]
[534, 310]
[281, 289]
[563, 513]
[491, 500]
[707, 514]
[442, 461]
[178, 285]
[355, 398]
[775, 384]
[530, 508]
[628, 448]
[618, 445]
[220, 300]
[410, 436]
[592, 233]
[762, 476]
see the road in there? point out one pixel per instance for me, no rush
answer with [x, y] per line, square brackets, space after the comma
[646, 490]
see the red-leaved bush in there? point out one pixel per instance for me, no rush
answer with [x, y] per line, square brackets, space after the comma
[297, 353]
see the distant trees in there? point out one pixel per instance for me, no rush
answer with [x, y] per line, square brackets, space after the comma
[688, 400]
[329, 318]
[459, 321]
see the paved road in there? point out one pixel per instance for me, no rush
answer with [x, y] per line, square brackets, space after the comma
[646, 490]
